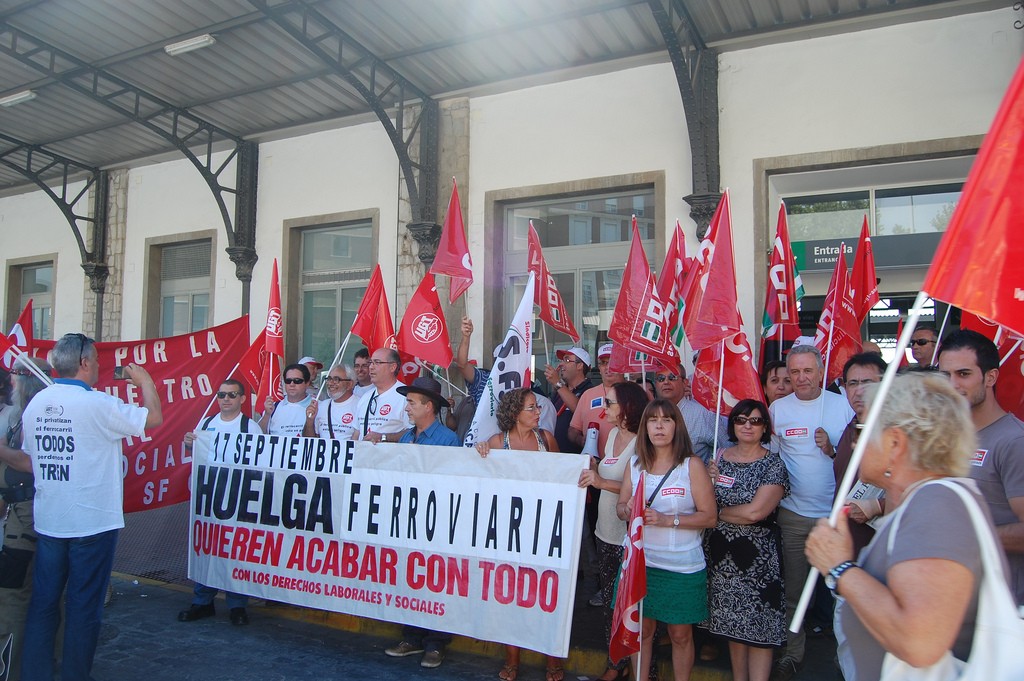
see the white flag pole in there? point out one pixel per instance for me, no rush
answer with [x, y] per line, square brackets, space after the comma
[718, 404]
[942, 331]
[214, 400]
[853, 469]
[1010, 353]
[20, 356]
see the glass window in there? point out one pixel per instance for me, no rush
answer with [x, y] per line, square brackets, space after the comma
[185, 287]
[600, 219]
[337, 248]
[914, 210]
[827, 216]
[37, 286]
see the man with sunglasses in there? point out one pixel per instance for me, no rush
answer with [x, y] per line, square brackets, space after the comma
[335, 417]
[569, 381]
[229, 420]
[73, 436]
[923, 343]
[671, 383]
[381, 414]
[288, 417]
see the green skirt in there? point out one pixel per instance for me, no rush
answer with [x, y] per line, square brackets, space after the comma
[674, 597]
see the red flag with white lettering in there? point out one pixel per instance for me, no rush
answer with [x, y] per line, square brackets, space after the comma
[373, 322]
[740, 379]
[781, 321]
[671, 280]
[628, 361]
[452, 257]
[547, 297]
[978, 262]
[638, 321]
[838, 322]
[1010, 384]
[423, 332]
[626, 620]
[712, 312]
[21, 335]
[863, 280]
[270, 380]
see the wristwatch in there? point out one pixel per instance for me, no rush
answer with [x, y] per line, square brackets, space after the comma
[832, 578]
[675, 521]
[559, 385]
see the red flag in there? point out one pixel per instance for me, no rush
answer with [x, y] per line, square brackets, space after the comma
[270, 378]
[1010, 384]
[626, 623]
[863, 280]
[976, 266]
[21, 335]
[638, 321]
[838, 321]
[251, 366]
[781, 321]
[5, 344]
[904, 362]
[671, 281]
[423, 332]
[740, 375]
[373, 322]
[628, 361]
[546, 295]
[712, 312]
[452, 257]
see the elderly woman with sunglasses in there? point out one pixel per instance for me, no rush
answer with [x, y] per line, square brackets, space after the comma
[746, 596]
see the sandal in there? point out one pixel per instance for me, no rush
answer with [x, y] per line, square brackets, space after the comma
[556, 673]
[620, 674]
[508, 672]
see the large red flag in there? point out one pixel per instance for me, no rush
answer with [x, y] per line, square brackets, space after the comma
[638, 321]
[712, 312]
[626, 622]
[546, 295]
[1010, 384]
[863, 280]
[452, 257]
[373, 322]
[838, 322]
[740, 379]
[251, 366]
[781, 320]
[671, 280]
[21, 335]
[977, 265]
[423, 332]
[270, 379]
[628, 361]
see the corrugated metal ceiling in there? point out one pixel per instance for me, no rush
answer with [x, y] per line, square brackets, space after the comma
[257, 80]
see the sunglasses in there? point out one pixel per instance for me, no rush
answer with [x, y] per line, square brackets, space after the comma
[752, 420]
[661, 378]
[228, 395]
[294, 381]
[921, 342]
[610, 402]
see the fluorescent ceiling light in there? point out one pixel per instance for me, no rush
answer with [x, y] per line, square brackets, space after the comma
[184, 46]
[18, 98]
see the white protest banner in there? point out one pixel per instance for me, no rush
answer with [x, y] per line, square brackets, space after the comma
[511, 368]
[435, 537]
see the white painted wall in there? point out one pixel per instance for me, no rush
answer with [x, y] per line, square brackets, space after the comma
[912, 82]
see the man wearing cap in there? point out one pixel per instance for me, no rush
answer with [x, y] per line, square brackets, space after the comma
[381, 412]
[315, 368]
[569, 381]
[424, 403]
[334, 418]
[590, 408]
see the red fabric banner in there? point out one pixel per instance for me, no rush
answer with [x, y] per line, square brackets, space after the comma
[423, 332]
[626, 622]
[187, 371]
[712, 312]
[864, 280]
[21, 336]
[547, 297]
[838, 322]
[740, 375]
[452, 257]
[977, 265]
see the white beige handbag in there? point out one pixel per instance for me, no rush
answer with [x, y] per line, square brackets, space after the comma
[997, 653]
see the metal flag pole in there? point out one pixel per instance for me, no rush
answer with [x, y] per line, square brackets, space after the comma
[718, 403]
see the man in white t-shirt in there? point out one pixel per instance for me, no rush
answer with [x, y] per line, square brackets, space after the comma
[381, 412]
[73, 435]
[361, 367]
[288, 417]
[230, 419]
[805, 432]
[335, 417]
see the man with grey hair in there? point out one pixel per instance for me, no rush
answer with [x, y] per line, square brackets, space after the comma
[806, 425]
[381, 412]
[334, 418]
[73, 435]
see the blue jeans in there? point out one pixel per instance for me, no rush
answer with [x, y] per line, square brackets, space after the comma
[204, 595]
[82, 564]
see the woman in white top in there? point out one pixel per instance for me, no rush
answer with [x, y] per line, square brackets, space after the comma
[679, 502]
[623, 406]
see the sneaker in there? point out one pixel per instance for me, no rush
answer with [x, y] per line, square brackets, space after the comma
[239, 617]
[402, 649]
[596, 601]
[196, 612]
[786, 668]
[432, 659]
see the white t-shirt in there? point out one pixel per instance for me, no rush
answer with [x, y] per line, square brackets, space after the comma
[217, 424]
[289, 418]
[385, 414]
[360, 390]
[609, 528]
[811, 475]
[73, 435]
[337, 420]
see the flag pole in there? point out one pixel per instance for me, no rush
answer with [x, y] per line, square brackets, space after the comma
[718, 403]
[25, 359]
[828, 359]
[214, 400]
[942, 329]
[874, 414]
[334, 362]
[544, 335]
[1010, 353]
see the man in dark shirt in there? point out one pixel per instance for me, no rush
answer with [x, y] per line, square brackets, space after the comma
[569, 381]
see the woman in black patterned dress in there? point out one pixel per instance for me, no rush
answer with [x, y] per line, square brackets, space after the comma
[747, 601]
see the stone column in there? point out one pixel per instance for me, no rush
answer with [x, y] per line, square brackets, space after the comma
[117, 222]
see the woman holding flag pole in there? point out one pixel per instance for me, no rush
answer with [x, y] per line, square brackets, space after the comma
[680, 504]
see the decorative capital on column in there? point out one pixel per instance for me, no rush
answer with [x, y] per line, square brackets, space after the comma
[702, 209]
[245, 259]
[97, 273]
[428, 236]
